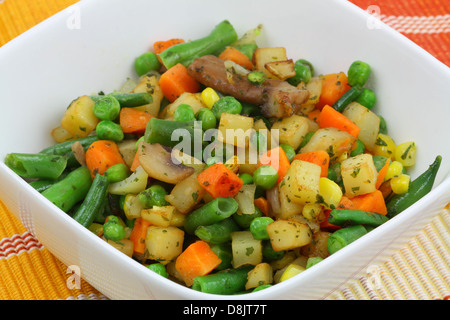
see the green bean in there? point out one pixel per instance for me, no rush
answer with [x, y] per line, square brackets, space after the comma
[343, 217]
[221, 36]
[107, 108]
[160, 131]
[42, 184]
[349, 96]
[256, 77]
[93, 202]
[36, 165]
[313, 261]
[269, 254]
[153, 196]
[217, 233]
[261, 287]
[367, 98]
[258, 227]
[224, 282]
[359, 149]
[109, 130]
[226, 104]
[244, 220]
[130, 100]
[418, 188]
[358, 73]
[306, 139]
[224, 252]
[112, 229]
[343, 237]
[265, 176]
[117, 172]
[70, 190]
[146, 62]
[184, 112]
[159, 268]
[214, 211]
[247, 48]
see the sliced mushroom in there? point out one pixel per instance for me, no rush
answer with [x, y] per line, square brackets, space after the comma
[157, 161]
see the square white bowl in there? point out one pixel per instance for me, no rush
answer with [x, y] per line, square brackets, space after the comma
[91, 46]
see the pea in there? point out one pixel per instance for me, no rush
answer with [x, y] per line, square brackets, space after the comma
[269, 253]
[247, 178]
[208, 119]
[159, 268]
[258, 227]
[367, 98]
[249, 109]
[212, 160]
[303, 72]
[153, 196]
[227, 104]
[107, 108]
[146, 62]
[117, 172]
[265, 177]
[256, 77]
[359, 148]
[184, 112]
[113, 230]
[289, 151]
[109, 130]
[358, 73]
[244, 220]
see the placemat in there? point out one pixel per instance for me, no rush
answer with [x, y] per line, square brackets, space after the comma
[419, 271]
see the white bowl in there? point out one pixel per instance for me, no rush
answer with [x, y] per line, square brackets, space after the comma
[91, 46]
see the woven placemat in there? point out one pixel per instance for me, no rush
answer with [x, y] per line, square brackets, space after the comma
[420, 270]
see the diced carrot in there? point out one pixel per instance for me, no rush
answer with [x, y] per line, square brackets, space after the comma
[345, 203]
[314, 115]
[319, 157]
[133, 121]
[219, 181]
[330, 117]
[176, 81]
[278, 159]
[262, 204]
[233, 54]
[138, 234]
[334, 85]
[196, 260]
[372, 202]
[101, 155]
[382, 173]
[135, 162]
[160, 46]
[327, 225]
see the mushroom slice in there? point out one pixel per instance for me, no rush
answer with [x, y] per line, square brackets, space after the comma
[158, 163]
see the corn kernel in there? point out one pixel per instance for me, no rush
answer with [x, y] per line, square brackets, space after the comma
[209, 97]
[330, 192]
[311, 211]
[405, 153]
[290, 271]
[384, 146]
[400, 184]
[395, 169]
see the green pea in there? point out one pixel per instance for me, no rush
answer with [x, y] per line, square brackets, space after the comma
[227, 104]
[256, 77]
[249, 109]
[244, 220]
[146, 62]
[265, 177]
[289, 151]
[159, 268]
[113, 230]
[117, 172]
[258, 227]
[184, 112]
[303, 72]
[367, 98]
[247, 178]
[153, 196]
[358, 73]
[313, 261]
[359, 149]
[208, 119]
[269, 253]
[109, 130]
[107, 108]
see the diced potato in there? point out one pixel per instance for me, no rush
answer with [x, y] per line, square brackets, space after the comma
[159, 216]
[331, 140]
[135, 183]
[127, 149]
[150, 85]
[235, 129]
[132, 206]
[284, 261]
[301, 182]
[79, 118]
[192, 99]
[245, 199]
[262, 56]
[248, 160]
[59, 134]
[359, 175]
[164, 244]
[188, 160]
[246, 249]
[291, 130]
[288, 208]
[366, 120]
[313, 225]
[281, 69]
[318, 246]
[186, 194]
[314, 86]
[260, 126]
[288, 234]
[126, 246]
[261, 274]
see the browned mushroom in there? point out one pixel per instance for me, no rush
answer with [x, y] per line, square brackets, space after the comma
[277, 98]
[157, 161]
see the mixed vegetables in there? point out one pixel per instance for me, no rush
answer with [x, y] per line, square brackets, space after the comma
[227, 167]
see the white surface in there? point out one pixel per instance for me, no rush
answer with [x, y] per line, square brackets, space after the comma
[51, 64]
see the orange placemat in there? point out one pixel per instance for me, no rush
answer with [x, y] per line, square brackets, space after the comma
[418, 271]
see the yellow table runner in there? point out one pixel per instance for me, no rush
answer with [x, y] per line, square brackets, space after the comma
[420, 270]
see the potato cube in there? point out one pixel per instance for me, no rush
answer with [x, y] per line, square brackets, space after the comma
[365, 119]
[301, 182]
[246, 249]
[186, 194]
[164, 244]
[359, 175]
[159, 216]
[79, 118]
[192, 99]
[291, 130]
[288, 234]
[261, 274]
[235, 129]
[150, 85]
[262, 56]
[281, 69]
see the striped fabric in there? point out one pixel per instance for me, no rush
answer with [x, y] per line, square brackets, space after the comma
[420, 270]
